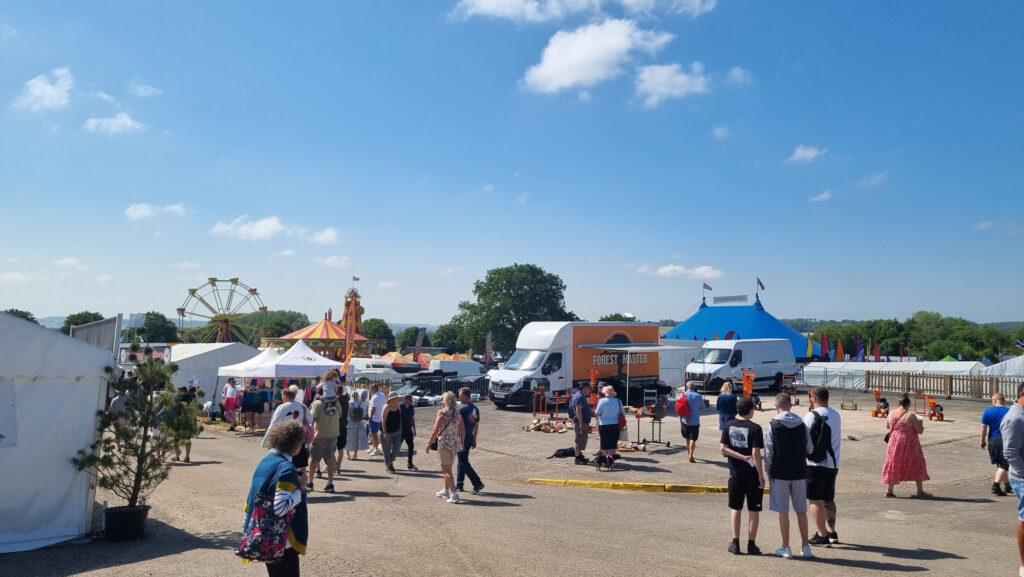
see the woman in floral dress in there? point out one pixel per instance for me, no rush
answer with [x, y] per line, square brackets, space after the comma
[904, 459]
[450, 434]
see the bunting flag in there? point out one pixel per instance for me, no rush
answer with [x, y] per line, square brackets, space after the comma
[760, 284]
[840, 354]
[810, 347]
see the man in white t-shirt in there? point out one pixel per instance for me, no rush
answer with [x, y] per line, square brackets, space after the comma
[821, 482]
[377, 402]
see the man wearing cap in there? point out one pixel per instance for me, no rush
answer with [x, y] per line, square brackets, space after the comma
[391, 430]
[408, 428]
[1012, 429]
[325, 438]
[471, 420]
[581, 413]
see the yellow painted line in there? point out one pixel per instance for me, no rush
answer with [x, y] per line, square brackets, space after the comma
[625, 486]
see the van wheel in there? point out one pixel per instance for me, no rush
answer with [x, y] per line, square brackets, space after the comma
[777, 384]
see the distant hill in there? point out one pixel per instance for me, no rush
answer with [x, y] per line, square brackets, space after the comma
[1009, 326]
[399, 327]
[52, 322]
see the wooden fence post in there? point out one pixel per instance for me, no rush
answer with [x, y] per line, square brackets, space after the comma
[905, 382]
[947, 384]
[867, 381]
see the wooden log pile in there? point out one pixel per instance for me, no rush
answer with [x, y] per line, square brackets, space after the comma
[548, 426]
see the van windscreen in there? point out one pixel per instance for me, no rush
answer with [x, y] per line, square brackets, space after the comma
[713, 356]
[525, 360]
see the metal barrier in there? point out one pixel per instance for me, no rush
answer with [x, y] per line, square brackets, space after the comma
[439, 384]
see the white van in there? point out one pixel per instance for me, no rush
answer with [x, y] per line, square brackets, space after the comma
[460, 368]
[768, 359]
[364, 371]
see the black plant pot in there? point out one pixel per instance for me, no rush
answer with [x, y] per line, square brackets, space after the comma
[126, 523]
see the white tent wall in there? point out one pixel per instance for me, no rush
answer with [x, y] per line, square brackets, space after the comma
[204, 360]
[56, 385]
[851, 375]
[1012, 367]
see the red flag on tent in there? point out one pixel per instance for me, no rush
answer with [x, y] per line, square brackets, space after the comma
[840, 355]
[878, 356]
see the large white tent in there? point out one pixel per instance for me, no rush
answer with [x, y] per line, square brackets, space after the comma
[851, 374]
[51, 387]
[203, 361]
[1011, 368]
[297, 362]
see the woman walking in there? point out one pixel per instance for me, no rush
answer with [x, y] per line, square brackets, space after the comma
[725, 404]
[904, 459]
[450, 434]
[391, 430]
[607, 412]
[277, 481]
[357, 425]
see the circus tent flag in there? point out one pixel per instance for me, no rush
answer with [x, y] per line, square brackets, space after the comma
[707, 287]
[760, 284]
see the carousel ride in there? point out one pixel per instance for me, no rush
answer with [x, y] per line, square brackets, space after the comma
[233, 312]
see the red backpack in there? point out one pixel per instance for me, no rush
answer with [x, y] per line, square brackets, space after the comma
[682, 406]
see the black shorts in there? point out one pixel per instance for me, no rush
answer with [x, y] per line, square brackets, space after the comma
[690, 432]
[342, 438]
[821, 483]
[995, 453]
[745, 489]
[301, 461]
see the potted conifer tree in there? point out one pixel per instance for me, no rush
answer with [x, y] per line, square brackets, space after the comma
[128, 456]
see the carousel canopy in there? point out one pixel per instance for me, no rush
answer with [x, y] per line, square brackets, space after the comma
[322, 331]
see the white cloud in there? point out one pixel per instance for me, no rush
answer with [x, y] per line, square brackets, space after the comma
[116, 124]
[242, 228]
[333, 261]
[106, 277]
[15, 277]
[692, 8]
[805, 154]
[584, 95]
[387, 284]
[720, 132]
[822, 197]
[144, 90]
[874, 180]
[105, 97]
[704, 272]
[738, 76]
[141, 210]
[70, 263]
[328, 235]
[42, 93]
[984, 225]
[523, 198]
[660, 81]
[590, 55]
[284, 253]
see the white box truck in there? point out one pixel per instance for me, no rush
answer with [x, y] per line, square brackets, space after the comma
[559, 356]
[768, 359]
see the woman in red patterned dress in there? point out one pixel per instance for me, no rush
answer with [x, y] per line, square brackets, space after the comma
[904, 459]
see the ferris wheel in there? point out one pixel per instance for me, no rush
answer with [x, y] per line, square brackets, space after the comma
[228, 306]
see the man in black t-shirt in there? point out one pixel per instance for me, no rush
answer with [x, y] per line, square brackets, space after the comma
[742, 442]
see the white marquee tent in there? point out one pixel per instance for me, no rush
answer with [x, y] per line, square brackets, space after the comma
[300, 361]
[238, 369]
[203, 361]
[1012, 367]
[51, 387]
[851, 374]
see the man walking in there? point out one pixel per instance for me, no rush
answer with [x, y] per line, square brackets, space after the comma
[821, 482]
[786, 444]
[325, 439]
[991, 419]
[408, 429]
[377, 402]
[581, 412]
[471, 420]
[1012, 429]
[690, 423]
[742, 441]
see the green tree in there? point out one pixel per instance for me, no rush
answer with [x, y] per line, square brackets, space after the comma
[667, 323]
[618, 318]
[506, 300]
[159, 329]
[275, 323]
[447, 336]
[23, 315]
[78, 319]
[407, 338]
[378, 329]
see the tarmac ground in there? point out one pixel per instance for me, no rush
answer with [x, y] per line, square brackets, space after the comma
[383, 524]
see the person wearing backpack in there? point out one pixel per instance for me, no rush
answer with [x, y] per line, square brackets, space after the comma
[689, 418]
[825, 427]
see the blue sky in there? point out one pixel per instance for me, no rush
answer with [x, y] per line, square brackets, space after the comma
[863, 159]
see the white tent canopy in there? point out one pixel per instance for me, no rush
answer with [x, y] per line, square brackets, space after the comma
[300, 361]
[203, 361]
[238, 369]
[1012, 367]
[51, 387]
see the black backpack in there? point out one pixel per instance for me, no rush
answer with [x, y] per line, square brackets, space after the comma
[357, 413]
[821, 439]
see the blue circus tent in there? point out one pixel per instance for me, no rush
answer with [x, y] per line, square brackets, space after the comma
[743, 322]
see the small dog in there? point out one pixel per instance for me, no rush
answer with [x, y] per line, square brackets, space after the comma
[564, 453]
[602, 460]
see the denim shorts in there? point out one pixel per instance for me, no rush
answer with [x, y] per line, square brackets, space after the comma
[1018, 490]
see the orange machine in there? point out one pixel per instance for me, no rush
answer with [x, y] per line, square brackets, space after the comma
[934, 409]
[881, 405]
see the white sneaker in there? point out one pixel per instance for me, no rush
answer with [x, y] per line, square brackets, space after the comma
[784, 552]
[454, 498]
[443, 493]
[371, 452]
[805, 552]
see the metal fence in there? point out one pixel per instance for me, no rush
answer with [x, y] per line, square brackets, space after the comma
[438, 384]
[947, 386]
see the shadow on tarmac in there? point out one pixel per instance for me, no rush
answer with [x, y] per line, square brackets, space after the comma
[916, 554]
